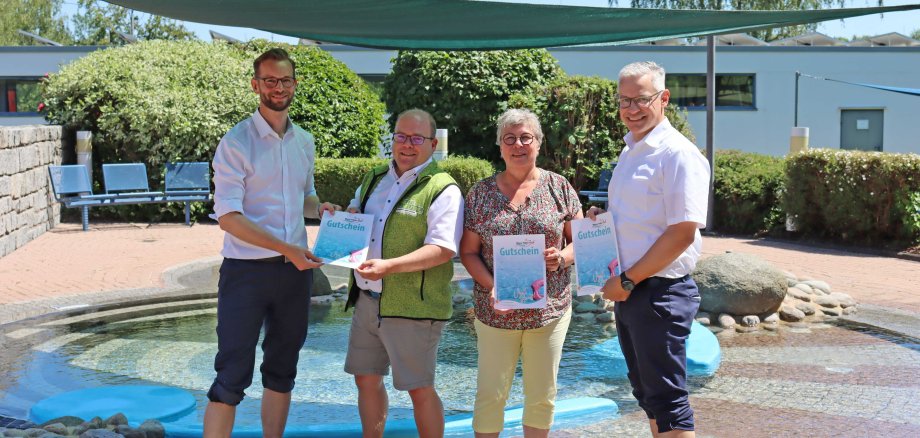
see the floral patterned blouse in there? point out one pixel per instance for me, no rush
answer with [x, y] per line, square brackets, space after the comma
[490, 213]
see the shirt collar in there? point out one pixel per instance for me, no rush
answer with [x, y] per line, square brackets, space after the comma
[411, 173]
[264, 129]
[654, 138]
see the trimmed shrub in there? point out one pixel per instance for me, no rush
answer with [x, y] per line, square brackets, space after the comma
[580, 120]
[466, 170]
[337, 179]
[464, 91]
[162, 101]
[853, 196]
[747, 188]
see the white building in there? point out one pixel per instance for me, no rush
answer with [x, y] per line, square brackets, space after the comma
[755, 90]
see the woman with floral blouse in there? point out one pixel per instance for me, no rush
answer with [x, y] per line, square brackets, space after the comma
[522, 199]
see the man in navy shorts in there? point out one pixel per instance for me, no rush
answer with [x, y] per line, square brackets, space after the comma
[658, 195]
[263, 188]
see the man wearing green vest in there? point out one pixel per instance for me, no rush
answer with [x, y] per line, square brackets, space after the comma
[401, 294]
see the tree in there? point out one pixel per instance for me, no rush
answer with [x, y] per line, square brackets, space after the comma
[773, 34]
[98, 24]
[916, 34]
[41, 17]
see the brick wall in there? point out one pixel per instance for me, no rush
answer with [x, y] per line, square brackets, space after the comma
[27, 206]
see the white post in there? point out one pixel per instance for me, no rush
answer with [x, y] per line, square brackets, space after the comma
[440, 151]
[85, 151]
[798, 141]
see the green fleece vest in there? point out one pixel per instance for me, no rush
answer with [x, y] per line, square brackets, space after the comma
[413, 295]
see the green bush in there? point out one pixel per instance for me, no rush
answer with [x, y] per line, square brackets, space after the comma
[466, 170]
[580, 120]
[853, 196]
[464, 91]
[163, 101]
[746, 192]
[337, 179]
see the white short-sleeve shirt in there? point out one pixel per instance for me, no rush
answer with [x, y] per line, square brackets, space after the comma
[265, 177]
[660, 180]
[445, 215]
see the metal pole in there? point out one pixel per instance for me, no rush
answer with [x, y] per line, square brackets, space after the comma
[795, 121]
[710, 118]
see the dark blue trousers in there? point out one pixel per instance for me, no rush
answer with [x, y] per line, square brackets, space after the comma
[251, 296]
[653, 325]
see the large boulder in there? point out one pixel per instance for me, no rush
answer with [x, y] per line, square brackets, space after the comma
[739, 284]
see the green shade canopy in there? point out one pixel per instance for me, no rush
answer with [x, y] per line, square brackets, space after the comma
[477, 25]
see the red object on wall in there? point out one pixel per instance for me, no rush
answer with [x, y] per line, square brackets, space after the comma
[11, 100]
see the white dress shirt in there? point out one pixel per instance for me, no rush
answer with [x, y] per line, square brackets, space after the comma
[659, 181]
[445, 216]
[266, 178]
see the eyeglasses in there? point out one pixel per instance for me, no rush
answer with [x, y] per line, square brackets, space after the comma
[641, 101]
[510, 139]
[416, 140]
[286, 82]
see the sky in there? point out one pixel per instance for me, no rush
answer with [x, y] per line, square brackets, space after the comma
[901, 22]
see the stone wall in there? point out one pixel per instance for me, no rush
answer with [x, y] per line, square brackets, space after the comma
[27, 205]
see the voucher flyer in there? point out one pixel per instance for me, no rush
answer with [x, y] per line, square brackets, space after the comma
[520, 271]
[343, 238]
[596, 256]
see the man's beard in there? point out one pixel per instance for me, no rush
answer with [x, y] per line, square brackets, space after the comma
[267, 101]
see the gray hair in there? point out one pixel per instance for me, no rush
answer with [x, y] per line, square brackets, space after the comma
[516, 116]
[422, 114]
[642, 68]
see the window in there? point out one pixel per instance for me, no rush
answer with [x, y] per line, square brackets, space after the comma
[733, 91]
[20, 96]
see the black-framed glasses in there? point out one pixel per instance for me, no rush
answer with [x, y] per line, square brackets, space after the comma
[286, 82]
[641, 101]
[415, 140]
[511, 139]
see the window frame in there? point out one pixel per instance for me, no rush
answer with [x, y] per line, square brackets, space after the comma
[5, 83]
[751, 107]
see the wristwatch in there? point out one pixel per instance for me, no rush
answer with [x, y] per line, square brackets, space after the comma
[627, 284]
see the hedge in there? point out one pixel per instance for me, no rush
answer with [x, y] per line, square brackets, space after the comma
[854, 196]
[337, 179]
[465, 91]
[747, 191]
[580, 119]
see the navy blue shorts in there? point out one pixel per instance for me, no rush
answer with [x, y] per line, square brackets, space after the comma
[252, 295]
[653, 325]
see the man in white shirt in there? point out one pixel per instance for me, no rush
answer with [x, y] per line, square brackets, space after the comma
[658, 195]
[401, 294]
[263, 188]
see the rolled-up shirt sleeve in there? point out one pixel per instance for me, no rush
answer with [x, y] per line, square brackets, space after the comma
[445, 219]
[229, 178]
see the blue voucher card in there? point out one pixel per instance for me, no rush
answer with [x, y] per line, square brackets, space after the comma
[596, 257]
[520, 271]
[343, 239]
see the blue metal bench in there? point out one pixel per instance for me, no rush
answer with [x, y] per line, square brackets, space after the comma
[185, 182]
[73, 189]
[127, 184]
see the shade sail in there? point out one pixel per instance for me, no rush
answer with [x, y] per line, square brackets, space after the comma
[903, 90]
[477, 25]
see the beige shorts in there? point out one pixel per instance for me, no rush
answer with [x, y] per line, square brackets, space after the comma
[409, 346]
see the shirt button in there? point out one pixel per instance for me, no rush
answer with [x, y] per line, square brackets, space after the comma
[372, 240]
[381, 220]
